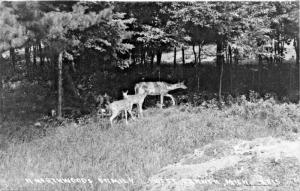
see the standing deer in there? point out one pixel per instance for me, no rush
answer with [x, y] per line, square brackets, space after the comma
[136, 99]
[117, 107]
[158, 88]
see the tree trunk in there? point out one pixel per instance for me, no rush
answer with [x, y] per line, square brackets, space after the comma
[175, 57]
[282, 52]
[195, 54]
[260, 67]
[133, 58]
[219, 55]
[152, 59]
[53, 71]
[159, 54]
[1, 91]
[290, 76]
[34, 56]
[41, 55]
[70, 82]
[296, 46]
[235, 69]
[297, 40]
[230, 68]
[13, 58]
[197, 77]
[143, 57]
[199, 54]
[60, 89]
[236, 57]
[221, 77]
[27, 60]
[183, 56]
[226, 70]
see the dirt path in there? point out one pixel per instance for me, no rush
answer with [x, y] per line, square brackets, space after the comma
[261, 164]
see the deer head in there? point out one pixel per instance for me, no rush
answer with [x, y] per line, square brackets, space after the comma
[180, 85]
[125, 94]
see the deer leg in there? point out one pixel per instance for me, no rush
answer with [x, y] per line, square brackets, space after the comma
[111, 121]
[161, 101]
[130, 112]
[138, 108]
[126, 117]
[141, 109]
[170, 96]
[112, 118]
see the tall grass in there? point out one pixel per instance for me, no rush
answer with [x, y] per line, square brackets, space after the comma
[93, 150]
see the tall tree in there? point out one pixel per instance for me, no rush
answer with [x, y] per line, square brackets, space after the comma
[83, 29]
[11, 36]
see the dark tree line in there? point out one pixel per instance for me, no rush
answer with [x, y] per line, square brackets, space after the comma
[60, 39]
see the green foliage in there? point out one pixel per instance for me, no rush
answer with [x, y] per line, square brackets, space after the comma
[153, 37]
[246, 25]
[12, 33]
[267, 21]
[113, 28]
[61, 24]
[65, 26]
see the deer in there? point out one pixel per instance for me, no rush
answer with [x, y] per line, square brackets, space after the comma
[158, 88]
[136, 99]
[117, 107]
[102, 102]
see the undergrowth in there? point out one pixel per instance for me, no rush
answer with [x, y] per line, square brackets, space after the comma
[92, 149]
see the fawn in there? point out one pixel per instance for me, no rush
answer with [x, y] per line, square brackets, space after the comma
[117, 107]
[136, 99]
[158, 88]
[101, 103]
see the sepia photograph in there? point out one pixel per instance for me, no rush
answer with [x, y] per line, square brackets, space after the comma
[149, 96]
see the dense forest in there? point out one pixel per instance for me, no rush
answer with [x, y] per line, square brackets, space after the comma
[227, 73]
[78, 50]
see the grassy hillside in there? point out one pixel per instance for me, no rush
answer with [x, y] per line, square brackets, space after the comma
[92, 150]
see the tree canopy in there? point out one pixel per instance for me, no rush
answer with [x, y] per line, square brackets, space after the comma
[103, 35]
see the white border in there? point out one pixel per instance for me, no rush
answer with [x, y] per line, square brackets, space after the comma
[197, 0]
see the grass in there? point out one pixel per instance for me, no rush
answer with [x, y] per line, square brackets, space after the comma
[93, 150]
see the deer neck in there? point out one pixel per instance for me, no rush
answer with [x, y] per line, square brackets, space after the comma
[172, 87]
